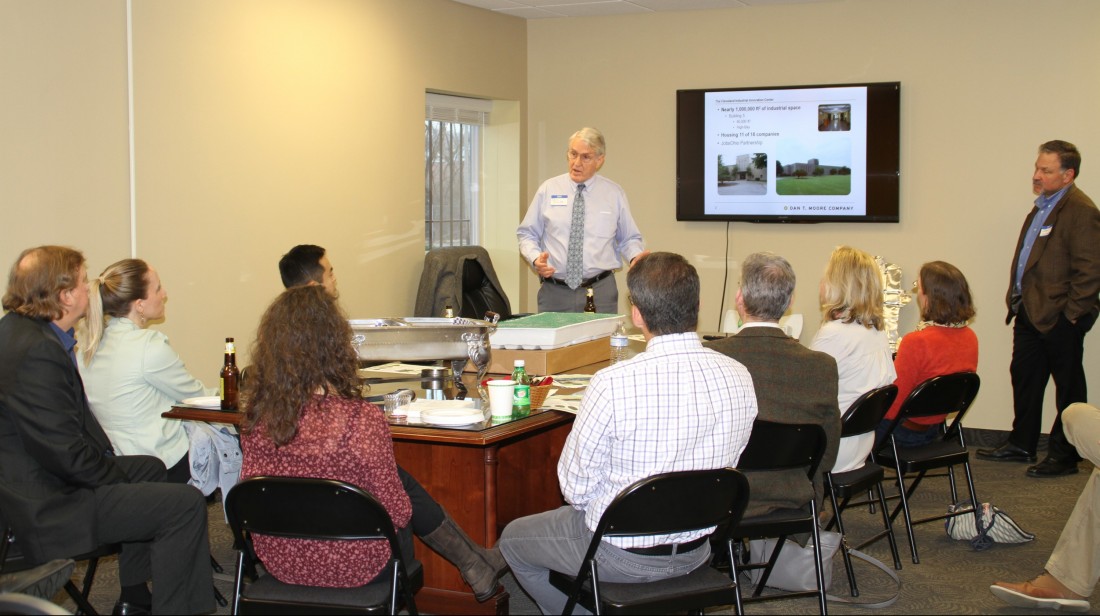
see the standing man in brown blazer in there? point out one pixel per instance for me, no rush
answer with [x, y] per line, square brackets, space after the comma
[1053, 295]
[793, 384]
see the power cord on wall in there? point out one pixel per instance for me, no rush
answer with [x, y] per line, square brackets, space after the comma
[725, 280]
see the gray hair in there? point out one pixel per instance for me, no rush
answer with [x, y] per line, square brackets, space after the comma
[767, 284]
[593, 137]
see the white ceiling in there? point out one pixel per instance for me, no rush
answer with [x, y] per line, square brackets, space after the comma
[540, 9]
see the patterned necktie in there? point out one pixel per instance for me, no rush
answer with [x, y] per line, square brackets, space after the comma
[574, 263]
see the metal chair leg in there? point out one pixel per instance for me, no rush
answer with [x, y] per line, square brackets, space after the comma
[889, 528]
[82, 604]
[908, 517]
[843, 538]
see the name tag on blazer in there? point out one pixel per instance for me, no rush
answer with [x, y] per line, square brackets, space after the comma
[1045, 231]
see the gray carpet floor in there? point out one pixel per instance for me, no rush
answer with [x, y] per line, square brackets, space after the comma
[950, 579]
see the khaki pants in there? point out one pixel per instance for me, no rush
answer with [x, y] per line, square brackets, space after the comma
[1075, 561]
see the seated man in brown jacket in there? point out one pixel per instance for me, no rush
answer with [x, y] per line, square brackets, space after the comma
[793, 384]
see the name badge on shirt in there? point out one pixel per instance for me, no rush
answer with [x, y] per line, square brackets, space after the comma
[559, 199]
[1045, 231]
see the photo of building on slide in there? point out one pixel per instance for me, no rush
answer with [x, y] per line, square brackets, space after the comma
[820, 168]
[743, 174]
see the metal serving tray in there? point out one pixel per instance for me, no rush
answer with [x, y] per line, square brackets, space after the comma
[456, 340]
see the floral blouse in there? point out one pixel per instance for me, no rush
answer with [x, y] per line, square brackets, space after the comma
[338, 438]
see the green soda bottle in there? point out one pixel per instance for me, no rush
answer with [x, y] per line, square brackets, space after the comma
[521, 399]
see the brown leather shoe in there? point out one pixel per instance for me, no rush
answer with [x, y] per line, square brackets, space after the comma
[1044, 592]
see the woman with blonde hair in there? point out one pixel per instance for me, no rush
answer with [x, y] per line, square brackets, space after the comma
[132, 374]
[852, 331]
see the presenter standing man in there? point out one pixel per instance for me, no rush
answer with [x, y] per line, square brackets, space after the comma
[1053, 295]
[577, 229]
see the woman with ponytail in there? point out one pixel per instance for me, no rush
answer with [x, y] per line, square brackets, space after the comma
[131, 374]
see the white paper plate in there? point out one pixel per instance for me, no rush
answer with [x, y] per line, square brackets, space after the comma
[435, 405]
[451, 417]
[206, 402]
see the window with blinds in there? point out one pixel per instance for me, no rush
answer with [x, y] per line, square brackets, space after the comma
[452, 169]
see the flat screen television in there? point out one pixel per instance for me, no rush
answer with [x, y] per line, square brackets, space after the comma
[786, 154]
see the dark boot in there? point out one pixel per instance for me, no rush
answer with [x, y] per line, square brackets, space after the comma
[480, 568]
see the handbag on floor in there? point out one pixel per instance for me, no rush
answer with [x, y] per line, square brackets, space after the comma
[996, 526]
[794, 569]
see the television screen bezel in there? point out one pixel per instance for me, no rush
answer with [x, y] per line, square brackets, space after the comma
[883, 190]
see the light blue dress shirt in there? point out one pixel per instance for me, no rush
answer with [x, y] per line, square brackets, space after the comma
[1044, 205]
[609, 228]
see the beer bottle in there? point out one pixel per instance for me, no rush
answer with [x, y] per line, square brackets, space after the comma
[230, 378]
[590, 301]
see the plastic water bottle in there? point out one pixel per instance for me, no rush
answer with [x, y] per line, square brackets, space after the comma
[619, 343]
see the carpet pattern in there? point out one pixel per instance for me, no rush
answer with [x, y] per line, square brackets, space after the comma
[950, 579]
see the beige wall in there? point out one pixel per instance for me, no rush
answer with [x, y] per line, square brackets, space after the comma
[980, 90]
[259, 124]
[63, 143]
[264, 123]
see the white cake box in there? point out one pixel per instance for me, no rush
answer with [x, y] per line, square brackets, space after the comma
[552, 330]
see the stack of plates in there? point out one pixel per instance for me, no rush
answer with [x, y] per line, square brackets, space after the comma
[206, 402]
[431, 405]
[449, 412]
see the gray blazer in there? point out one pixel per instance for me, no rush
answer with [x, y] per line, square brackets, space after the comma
[793, 385]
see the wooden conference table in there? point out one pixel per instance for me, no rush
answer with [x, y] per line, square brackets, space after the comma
[483, 477]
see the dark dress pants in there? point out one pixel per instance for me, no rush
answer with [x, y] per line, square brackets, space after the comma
[1036, 357]
[162, 529]
[427, 514]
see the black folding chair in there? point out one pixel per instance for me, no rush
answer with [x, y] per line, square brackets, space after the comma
[776, 446]
[12, 560]
[322, 509]
[862, 418]
[940, 395]
[659, 505]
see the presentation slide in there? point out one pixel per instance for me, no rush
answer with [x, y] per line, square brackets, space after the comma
[791, 152]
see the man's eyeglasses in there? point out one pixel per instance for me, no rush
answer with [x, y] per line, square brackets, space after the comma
[586, 158]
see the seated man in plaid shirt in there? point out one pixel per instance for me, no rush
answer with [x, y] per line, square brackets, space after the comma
[674, 407]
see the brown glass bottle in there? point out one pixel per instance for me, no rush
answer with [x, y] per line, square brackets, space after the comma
[590, 301]
[230, 378]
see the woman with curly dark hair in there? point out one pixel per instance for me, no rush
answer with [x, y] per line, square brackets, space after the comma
[305, 417]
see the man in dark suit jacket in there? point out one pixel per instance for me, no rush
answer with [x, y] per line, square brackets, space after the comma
[62, 489]
[1052, 294]
[793, 384]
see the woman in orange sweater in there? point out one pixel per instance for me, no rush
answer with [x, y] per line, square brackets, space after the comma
[942, 344]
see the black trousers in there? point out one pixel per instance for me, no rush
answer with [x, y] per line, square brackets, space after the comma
[162, 529]
[427, 514]
[1036, 357]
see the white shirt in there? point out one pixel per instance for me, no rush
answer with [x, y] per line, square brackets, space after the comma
[135, 376]
[674, 407]
[863, 362]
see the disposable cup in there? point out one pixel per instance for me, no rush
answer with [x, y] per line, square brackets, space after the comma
[500, 397]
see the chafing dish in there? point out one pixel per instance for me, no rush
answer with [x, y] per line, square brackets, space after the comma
[455, 340]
